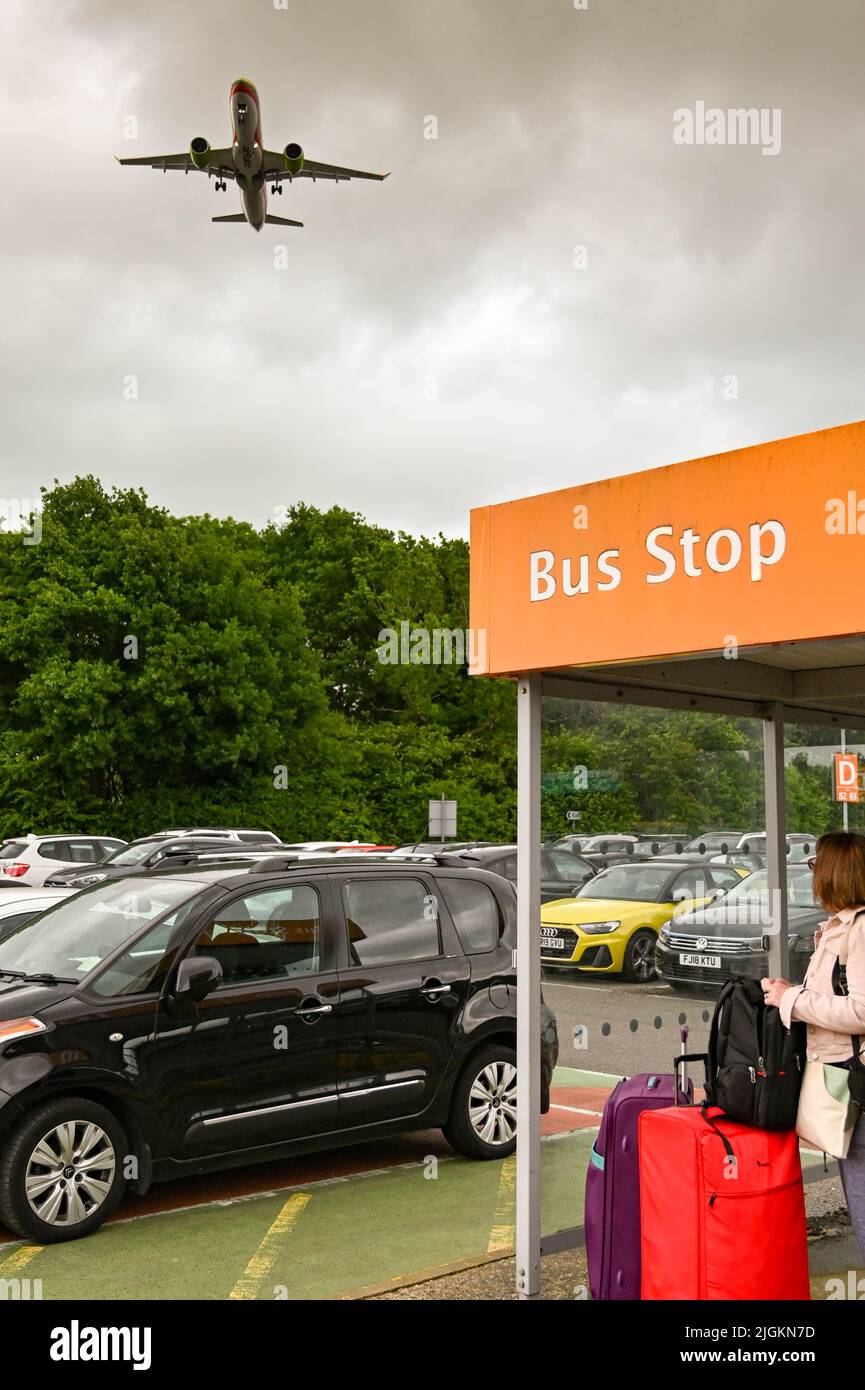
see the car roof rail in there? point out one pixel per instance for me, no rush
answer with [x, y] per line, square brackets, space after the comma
[209, 853]
[274, 863]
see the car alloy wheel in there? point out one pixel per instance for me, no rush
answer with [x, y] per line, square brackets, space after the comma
[493, 1103]
[70, 1173]
[640, 957]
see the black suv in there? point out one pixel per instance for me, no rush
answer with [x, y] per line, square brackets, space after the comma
[177, 1022]
[563, 872]
[140, 856]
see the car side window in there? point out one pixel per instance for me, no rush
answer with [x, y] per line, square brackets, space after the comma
[567, 866]
[83, 851]
[8, 925]
[693, 883]
[390, 920]
[725, 878]
[142, 968]
[270, 935]
[508, 867]
[54, 849]
[475, 912]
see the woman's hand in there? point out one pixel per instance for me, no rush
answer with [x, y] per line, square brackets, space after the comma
[773, 989]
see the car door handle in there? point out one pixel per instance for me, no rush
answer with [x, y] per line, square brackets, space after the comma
[434, 991]
[313, 1011]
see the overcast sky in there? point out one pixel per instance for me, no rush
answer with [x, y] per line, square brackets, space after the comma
[435, 342]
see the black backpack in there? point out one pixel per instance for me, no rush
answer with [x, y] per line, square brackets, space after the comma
[755, 1065]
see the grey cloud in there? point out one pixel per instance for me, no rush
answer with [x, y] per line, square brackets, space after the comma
[259, 387]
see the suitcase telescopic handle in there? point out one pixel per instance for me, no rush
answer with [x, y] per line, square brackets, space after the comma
[683, 1058]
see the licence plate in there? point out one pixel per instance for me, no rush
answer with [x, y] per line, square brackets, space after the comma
[703, 962]
[552, 943]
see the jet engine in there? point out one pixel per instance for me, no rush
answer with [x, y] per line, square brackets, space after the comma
[293, 156]
[199, 152]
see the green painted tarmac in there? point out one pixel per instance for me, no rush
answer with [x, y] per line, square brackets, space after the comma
[346, 1235]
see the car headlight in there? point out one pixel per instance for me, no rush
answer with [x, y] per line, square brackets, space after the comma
[597, 928]
[89, 878]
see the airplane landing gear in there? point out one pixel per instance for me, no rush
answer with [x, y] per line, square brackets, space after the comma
[220, 185]
[277, 188]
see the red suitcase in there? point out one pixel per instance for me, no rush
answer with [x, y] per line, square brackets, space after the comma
[714, 1228]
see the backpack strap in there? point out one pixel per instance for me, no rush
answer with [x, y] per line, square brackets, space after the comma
[714, 1061]
[839, 986]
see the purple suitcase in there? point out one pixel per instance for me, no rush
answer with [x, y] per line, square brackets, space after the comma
[612, 1208]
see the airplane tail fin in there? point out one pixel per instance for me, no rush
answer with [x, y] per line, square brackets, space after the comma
[282, 221]
[230, 217]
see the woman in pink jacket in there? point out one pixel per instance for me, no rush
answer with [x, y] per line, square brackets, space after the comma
[833, 1019]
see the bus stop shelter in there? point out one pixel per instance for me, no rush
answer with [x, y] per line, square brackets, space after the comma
[733, 584]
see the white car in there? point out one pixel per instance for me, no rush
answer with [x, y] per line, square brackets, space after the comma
[800, 847]
[244, 835]
[31, 858]
[19, 905]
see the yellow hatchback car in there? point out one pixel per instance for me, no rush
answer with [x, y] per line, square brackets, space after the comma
[611, 924]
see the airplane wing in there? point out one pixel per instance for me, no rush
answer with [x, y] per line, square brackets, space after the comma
[219, 162]
[312, 169]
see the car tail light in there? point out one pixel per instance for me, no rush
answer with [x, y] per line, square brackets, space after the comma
[15, 870]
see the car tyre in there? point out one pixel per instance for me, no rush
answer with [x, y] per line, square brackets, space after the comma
[61, 1173]
[483, 1117]
[639, 963]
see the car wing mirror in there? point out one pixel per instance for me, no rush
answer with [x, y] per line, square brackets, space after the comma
[196, 977]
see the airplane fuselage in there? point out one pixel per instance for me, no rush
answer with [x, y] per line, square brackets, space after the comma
[247, 150]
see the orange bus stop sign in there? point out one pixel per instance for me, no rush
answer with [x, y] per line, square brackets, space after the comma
[761, 545]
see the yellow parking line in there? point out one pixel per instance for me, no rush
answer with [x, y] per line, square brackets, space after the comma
[502, 1234]
[265, 1257]
[19, 1258]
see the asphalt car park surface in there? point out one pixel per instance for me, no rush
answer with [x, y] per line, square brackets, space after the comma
[606, 1025]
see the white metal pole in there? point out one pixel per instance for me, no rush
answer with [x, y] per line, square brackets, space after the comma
[776, 843]
[845, 810]
[528, 1214]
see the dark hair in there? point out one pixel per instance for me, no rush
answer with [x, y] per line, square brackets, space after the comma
[839, 871]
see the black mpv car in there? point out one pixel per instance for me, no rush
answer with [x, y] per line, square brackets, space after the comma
[178, 1022]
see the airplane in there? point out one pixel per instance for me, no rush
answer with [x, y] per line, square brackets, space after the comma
[249, 164]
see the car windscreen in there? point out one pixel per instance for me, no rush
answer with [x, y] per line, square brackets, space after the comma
[713, 843]
[132, 854]
[70, 940]
[12, 851]
[631, 882]
[755, 889]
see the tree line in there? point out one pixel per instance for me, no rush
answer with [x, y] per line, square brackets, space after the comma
[159, 670]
